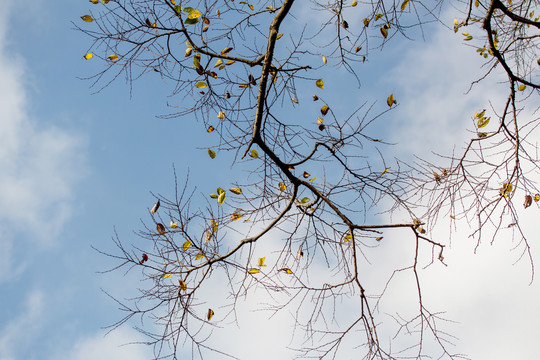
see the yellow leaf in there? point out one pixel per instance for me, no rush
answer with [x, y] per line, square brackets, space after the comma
[522, 87]
[197, 61]
[236, 190]
[320, 120]
[354, 3]
[194, 14]
[213, 196]
[378, 16]
[320, 84]
[199, 256]
[211, 153]
[174, 225]
[456, 22]
[166, 276]
[188, 52]
[384, 32]
[261, 261]
[201, 85]
[536, 197]
[467, 38]
[404, 5]
[210, 314]
[479, 114]
[218, 63]
[253, 271]
[218, 13]
[390, 100]
[94, 1]
[254, 154]
[183, 285]
[87, 18]
[324, 59]
[113, 57]
[476, 3]
[282, 186]
[294, 100]
[226, 50]
[236, 216]
[385, 171]
[324, 110]
[88, 56]
[483, 121]
[213, 224]
[251, 7]
[279, 36]
[287, 270]
[173, 2]
[230, 62]
[357, 49]
[379, 238]
[221, 198]
[105, 1]
[210, 129]
[347, 237]
[366, 22]
[221, 115]
[186, 245]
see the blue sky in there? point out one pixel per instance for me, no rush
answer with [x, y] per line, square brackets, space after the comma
[76, 164]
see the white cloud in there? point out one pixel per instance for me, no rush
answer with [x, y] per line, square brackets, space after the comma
[40, 163]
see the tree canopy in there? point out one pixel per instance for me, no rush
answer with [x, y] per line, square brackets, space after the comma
[320, 191]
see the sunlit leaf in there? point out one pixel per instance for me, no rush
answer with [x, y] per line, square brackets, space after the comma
[236, 190]
[210, 314]
[324, 110]
[305, 200]
[199, 256]
[479, 114]
[390, 100]
[105, 1]
[183, 285]
[279, 36]
[226, 50]
[378, 16]
[112, 57]
[210, 129]
[384, 32]
[483, 121]
[313, 179]
[166, 276]
[220, 191]
[254, 154]
[211, 153]
[261, 261]
[94, 1]
[174, 225]
[354, 3]
[468, 38]
[221, 198]
[87, 18]
[294, 100]
[379, 238]
[324, 60]
[299, 254]
[357, 49]
[537, 198]
[320, 84]
[253, 271]
[214, 196]
[282, 186]
[218, 13]
[404, 5]
[230, 62]
[347, 237]
[286, 270]
[366, 22]
[221, 115]
[201, 85]
[194, 14]
[522, 87]
[236, 216]
[160, 228]
[88, 56]
[528, 201]
[385, 171]
[189, 51]
[186, 245]
[213, 225]
[155, 207]
[218, 63]
[305, 174]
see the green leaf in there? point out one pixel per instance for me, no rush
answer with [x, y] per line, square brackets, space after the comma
[192, 21]
[305, 200]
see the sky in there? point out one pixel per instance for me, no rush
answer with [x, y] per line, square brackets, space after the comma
[77, 165]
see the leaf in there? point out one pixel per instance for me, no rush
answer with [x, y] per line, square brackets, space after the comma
[221, 198]
[294, 100]
[378, 16]
[105, 1]
[279, 36]
[384, 32]
[189, 51]
[468, 38]
[230, 62]
[199, 256]
[347, 237]
[320, 84]
[174, 225]
[87, 18]
[385, 171]
[236, 190]
[144, 259]
[366, 22]
[314, 178]
[261, 261]
[305, 200]
[357, 49]
[212, 154]
[324, 110]
[149, 23]
[210, 314]
[354, 3]
[305, 174]
[183, 285]
[88, 56]
[479, 114]
[201, 85]
[379, 238]
[210, 129]
[155, 208]
[483, 121]
[221, 115]
[253, 271]
[299, 254]
[226, 50]
[214, 196]
[254, 154]
[94, 1]
[537, 198]
[186, 245]
[220, 191]
[194, 14]
[166, 276]
[218, 13]
[191, 21]
[404, 5]
[390, 100]
[287, 270]
[528, 201]
[522, 87]
[236, 216]
[160, 229]
[112, 57]
[282, 186]
[213, 225]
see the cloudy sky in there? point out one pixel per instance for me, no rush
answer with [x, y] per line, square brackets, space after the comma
[75, 165]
